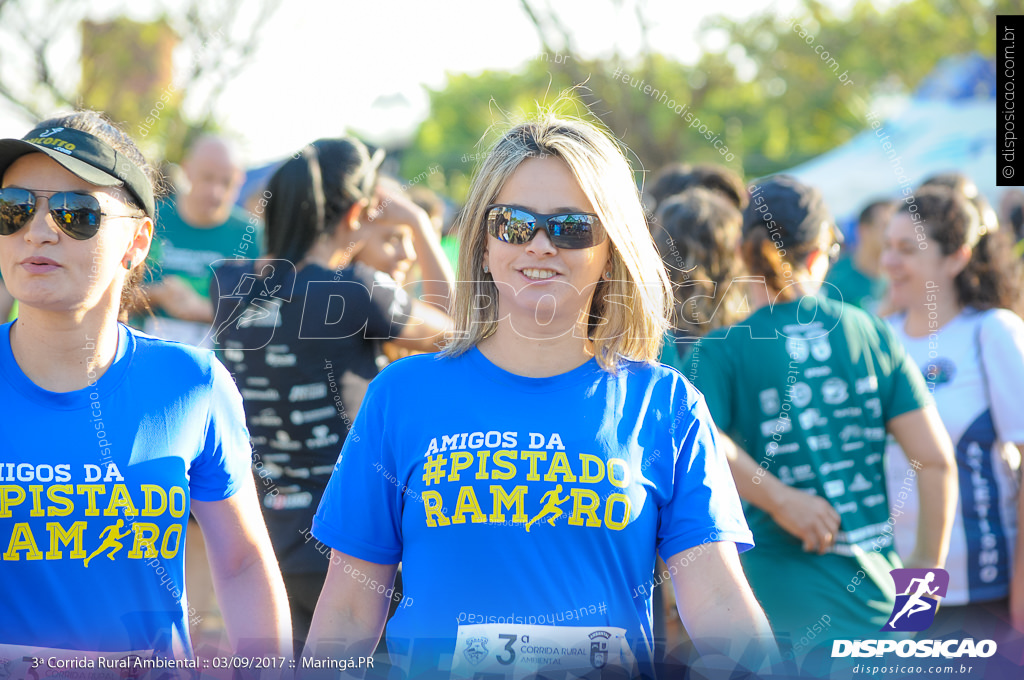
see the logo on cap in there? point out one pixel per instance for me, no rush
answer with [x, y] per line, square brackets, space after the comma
[916, 602]
[50, 132]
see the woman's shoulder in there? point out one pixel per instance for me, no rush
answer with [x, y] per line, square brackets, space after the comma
[171, 359]
[997, 319]
[419, 367]
[853, 317]
[997, 327]
[657, 377]
[227, 276]
[357, 272]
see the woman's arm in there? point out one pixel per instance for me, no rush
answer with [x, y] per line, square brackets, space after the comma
[926, 444]
[349, 617]
[428, 333]
[810, 518]
[715, 603]
[432, 322]
[179, 300]
[438, 278]
[246, 576]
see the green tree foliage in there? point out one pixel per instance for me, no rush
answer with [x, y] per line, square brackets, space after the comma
[771, 96]
[126, 66]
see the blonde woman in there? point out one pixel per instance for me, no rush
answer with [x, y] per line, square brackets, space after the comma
[527, 498]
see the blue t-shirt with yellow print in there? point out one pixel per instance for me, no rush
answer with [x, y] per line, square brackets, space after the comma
[95, 488]
[522, 500]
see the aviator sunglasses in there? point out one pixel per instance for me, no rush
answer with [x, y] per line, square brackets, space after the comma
[77, 214]
[517, 226]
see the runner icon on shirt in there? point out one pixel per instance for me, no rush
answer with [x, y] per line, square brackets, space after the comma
[113, 540]
[551, 502]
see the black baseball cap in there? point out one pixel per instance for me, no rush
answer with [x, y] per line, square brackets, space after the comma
[85, 156]
[796, 209]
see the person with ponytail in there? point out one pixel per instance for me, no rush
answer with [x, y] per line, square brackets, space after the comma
[110, 437]
[302, 332]
[959, 292]
[805, 390]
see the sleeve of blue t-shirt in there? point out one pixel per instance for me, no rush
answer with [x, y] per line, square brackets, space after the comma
[359, 489]
[222, 466]
[705, 506]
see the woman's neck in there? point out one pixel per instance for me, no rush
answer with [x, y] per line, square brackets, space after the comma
[327, 253]
[62, 351]
[761, 295]
[533, 356]
[934, 312]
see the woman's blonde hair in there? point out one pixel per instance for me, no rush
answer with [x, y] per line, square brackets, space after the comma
[629, 311]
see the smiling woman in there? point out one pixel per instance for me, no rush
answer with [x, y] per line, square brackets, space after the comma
[958, 322]
[541, 454]
[121, 433]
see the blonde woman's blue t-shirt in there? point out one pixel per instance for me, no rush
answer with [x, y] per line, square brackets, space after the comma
[515, 499]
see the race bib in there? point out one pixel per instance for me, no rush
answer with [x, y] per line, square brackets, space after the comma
[493, 651]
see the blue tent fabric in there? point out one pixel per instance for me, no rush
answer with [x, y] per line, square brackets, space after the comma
[960, 77]
[256, 180]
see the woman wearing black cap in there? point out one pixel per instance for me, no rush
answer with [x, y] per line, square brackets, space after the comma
[110, 437]
[302, 335]
[807, 389]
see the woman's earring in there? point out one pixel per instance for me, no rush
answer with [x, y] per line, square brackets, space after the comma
[608, 275]
[127, 264]
[487, 270]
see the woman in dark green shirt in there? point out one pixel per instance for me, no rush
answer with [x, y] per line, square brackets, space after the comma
[807, 388]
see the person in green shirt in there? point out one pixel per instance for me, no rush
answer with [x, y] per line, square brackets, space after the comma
[195, 229]
[803, 392]
[857, 278]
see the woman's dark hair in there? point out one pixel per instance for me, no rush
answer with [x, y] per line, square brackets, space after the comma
[696, 233]
[763, 257]
[785, 222]
[95, 124]
[992, 276]
[676, 178]
[965, 186]
[310, 193]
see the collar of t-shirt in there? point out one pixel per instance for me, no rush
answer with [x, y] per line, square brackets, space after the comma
[67, 401]
[583, 374]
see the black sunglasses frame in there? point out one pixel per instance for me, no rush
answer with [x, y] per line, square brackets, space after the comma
[80, 222]
[539, 221]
